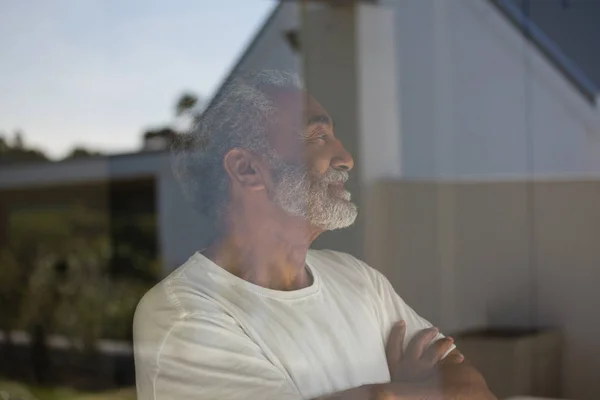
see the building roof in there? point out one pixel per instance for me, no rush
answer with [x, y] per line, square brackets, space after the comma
[253, 43]
[96, 168]
[560, 43]
[543, 25]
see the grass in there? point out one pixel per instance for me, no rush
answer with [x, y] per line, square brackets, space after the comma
[18, 391]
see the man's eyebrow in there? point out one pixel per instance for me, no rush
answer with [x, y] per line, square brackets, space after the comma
[320, 119]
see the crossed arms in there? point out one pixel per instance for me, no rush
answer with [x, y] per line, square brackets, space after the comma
[421, 372]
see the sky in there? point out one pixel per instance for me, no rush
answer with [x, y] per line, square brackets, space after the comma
[98, 73]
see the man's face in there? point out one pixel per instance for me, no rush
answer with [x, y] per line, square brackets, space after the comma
[309, 165]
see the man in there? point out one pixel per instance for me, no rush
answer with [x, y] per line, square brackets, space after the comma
[257, 315]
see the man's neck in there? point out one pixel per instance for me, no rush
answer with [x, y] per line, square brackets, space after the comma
[271, 254]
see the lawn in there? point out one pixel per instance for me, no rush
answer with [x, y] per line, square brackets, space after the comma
[18, 391]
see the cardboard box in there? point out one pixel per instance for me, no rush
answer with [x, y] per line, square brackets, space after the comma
[516, 362]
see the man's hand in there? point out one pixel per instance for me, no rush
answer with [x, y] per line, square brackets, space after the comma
[427, 375]
[420, 359]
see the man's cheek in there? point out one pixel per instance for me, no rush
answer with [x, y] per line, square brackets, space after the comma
[317, 162]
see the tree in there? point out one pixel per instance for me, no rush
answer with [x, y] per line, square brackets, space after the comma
[80, 152]
[187, 110]
[18, 152]
[3, 144]
[19, 142]
[58, 275]
[186, 102]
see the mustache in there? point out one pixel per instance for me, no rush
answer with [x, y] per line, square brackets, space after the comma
[335, 175]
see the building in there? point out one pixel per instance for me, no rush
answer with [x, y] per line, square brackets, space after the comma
[136, 185]
[476, 135]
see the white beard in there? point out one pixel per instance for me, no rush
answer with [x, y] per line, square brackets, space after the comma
[311, 198]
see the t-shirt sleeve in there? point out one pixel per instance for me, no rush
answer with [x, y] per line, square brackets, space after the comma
[391, 308]
[209, 357]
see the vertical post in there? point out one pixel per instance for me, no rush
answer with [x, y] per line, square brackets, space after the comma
[329, 54]
[350, 65]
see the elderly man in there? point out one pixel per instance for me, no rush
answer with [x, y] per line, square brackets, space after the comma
[257, 315]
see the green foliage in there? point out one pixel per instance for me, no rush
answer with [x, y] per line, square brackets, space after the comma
[16, 152]
[186, 102]
[58, 270]
[12, 278]
[80, 152]
[13, 390]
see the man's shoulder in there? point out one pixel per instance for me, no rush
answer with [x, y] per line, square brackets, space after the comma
[342, 263]
[158, 305]
[332, 256]
[174, 297]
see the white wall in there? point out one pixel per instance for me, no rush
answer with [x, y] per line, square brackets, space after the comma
[377, 94]
[477, 100]
[479, 103]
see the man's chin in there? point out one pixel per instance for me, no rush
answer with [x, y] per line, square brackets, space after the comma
[334, 227]
[344, 218]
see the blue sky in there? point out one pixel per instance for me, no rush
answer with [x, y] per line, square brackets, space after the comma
[98, 72]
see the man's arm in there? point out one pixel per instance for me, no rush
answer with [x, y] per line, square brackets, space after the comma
[386, 391]
[429, 376]
[454, 378]
[413, 391]
[457, 377]
[463, 375]
[207, 357]
[422, 363]
[202, 356]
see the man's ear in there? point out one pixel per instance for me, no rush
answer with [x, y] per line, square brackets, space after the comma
[245, 169]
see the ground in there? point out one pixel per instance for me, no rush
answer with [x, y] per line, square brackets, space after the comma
[18, 391]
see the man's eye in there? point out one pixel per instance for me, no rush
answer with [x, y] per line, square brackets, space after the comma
[315, 138]
[319, 134]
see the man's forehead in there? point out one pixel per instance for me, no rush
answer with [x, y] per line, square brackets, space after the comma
[295, 103]
[297, 110]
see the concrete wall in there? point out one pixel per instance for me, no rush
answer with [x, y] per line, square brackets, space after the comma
[567, 226]
[502, 254]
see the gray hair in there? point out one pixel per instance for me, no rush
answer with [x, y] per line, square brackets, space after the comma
[236, 118]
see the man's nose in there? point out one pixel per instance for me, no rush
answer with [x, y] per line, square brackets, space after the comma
[341, 158]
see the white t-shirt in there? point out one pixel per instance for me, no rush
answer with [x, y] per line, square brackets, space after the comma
[203, 333]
